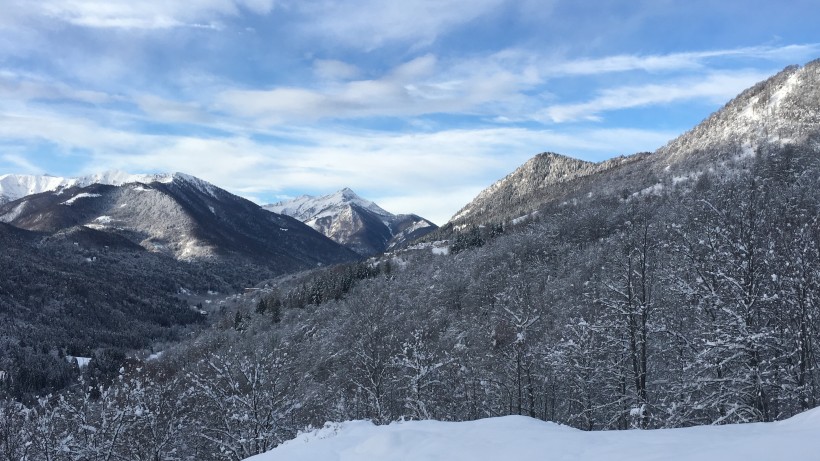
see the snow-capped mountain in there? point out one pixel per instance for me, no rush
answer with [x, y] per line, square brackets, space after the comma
[357, 223]
[782, 109]
[174, 214]
[15, 186]
[307, 207]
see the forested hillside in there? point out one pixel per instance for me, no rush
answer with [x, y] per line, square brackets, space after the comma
[691, 303]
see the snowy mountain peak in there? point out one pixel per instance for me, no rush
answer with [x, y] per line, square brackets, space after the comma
[200, 184]
[348, 193]
[118, 178]
[353, 221]
[536, 174]
[15, 186]
[309, 207]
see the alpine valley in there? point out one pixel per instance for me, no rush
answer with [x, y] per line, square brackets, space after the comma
[656, 290]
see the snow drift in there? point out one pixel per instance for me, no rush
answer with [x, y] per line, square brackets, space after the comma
[518, 437]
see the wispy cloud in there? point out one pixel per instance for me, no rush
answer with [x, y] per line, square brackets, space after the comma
[332, 69]
[148, 14]
[369, 24]
[677, 61]
[21, 163]
[717, 88]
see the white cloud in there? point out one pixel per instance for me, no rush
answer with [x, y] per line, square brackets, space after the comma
[676, 61]
[22, 164]
[420, 86]
[21, 87]
[510, 85]
[147, 14]
[172, 111]
[331, 69]
[717, 87]
[370, 24]
[434, 171]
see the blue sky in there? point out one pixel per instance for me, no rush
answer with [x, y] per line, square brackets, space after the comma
[417, 104]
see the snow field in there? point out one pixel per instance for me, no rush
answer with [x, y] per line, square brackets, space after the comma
[523, 438]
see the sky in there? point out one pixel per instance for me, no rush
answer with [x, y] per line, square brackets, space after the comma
[415, 104]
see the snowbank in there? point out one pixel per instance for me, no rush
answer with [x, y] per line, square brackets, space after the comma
[522, 438]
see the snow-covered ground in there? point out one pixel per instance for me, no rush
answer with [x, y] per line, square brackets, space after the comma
[522, 438]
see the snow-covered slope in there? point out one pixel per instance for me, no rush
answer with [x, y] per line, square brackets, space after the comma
[177, 214]
[15, 186]
[357, 223]
[782, 109]
[530, 183]
[522, 438]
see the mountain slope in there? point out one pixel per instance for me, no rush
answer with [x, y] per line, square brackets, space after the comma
[543, 178]
[81, 291]
[350, 220]
[180, 216]
[782, 109]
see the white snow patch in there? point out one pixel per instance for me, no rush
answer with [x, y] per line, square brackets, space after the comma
[438, 247]
[194, 249]
[15, 213]
[520, 438]
[788, 86]
[420, 224]
[82, 362]
[154, 356]
[521, 219]
[441, 251]
[79, 196]
[654, 189]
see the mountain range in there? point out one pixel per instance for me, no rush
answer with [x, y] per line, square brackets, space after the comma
[354, 222]
[177, 215]
[780, 110]
[666, 289]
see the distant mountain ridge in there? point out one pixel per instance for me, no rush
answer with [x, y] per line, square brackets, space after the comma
[782, 109]
[357, 223]
[16, 186]
[540, 174]
[175, 214]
